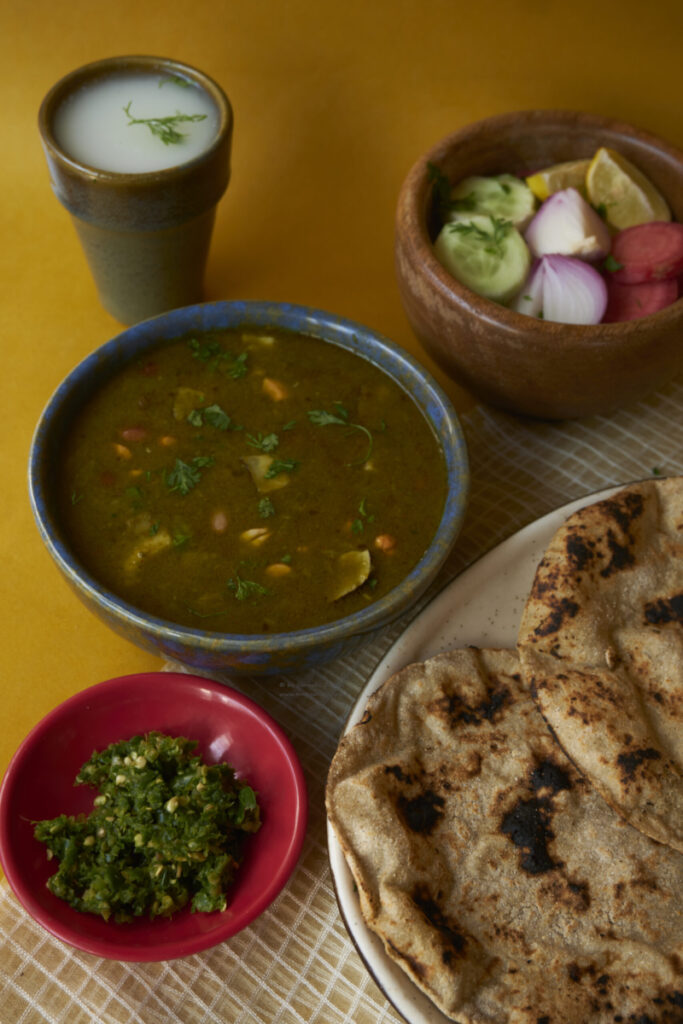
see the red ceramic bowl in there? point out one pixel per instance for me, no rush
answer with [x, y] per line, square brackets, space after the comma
[228, 726]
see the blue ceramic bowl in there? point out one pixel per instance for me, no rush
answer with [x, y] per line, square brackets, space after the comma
[252, 654]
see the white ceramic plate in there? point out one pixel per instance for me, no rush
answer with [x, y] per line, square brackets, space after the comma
[481, 607]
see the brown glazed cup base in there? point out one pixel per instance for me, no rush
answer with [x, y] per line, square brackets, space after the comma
[142, 273]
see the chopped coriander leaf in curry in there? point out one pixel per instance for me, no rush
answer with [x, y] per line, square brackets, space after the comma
[166, 830]
[244, 483]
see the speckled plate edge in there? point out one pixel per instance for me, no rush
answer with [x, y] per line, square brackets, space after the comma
[481, 607]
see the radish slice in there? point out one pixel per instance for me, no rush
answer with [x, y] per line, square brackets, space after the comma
[633, 301]
[568, 225]
[648, 252]
[565, 290]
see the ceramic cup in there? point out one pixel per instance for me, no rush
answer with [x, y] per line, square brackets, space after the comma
[146, 235]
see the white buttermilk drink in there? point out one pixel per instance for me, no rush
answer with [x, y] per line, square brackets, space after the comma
[136, 122]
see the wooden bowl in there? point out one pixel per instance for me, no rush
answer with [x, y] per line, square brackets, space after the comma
[515, 362]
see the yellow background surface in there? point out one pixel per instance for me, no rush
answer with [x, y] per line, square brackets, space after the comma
[333, 104]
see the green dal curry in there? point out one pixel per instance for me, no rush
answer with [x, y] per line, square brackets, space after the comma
[251, 483]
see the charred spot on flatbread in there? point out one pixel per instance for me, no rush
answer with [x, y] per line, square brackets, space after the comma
[632, 760]
[417, 805]
[421, 813]
[396, 770]
[455, 708]
[620, 554]
[454, 941]
[608, 677]
[559, 610]
[580, 553]
[664, 610]
[625, 508]
[549, 778]
[528, 823]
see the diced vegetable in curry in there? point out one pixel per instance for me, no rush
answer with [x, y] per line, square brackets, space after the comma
[245, 483]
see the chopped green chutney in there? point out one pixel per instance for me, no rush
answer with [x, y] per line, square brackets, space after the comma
[166, 830]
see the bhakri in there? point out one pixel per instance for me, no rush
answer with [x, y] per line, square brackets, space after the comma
[497, 878]
[601, 648]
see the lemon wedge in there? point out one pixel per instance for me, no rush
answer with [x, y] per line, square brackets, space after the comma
[622, 192]
[570, 174]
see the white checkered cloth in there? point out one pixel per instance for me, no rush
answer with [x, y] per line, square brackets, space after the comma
[296, 964]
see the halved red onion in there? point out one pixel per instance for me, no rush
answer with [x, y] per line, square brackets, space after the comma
[568, 225]
[563, 289]
[530, 299]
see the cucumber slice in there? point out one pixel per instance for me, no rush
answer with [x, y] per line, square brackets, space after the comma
[502, 195]
[486, 254]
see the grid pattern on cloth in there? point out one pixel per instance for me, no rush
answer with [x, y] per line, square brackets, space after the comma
[296, 964]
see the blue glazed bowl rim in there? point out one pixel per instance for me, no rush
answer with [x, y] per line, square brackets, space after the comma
[356, 337]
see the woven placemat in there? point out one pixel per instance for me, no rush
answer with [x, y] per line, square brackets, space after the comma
[296, 964]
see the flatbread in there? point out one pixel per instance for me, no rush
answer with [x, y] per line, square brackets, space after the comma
[601, 647]
[496, 877]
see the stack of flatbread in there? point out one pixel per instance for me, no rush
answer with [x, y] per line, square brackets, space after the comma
[512, 818]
